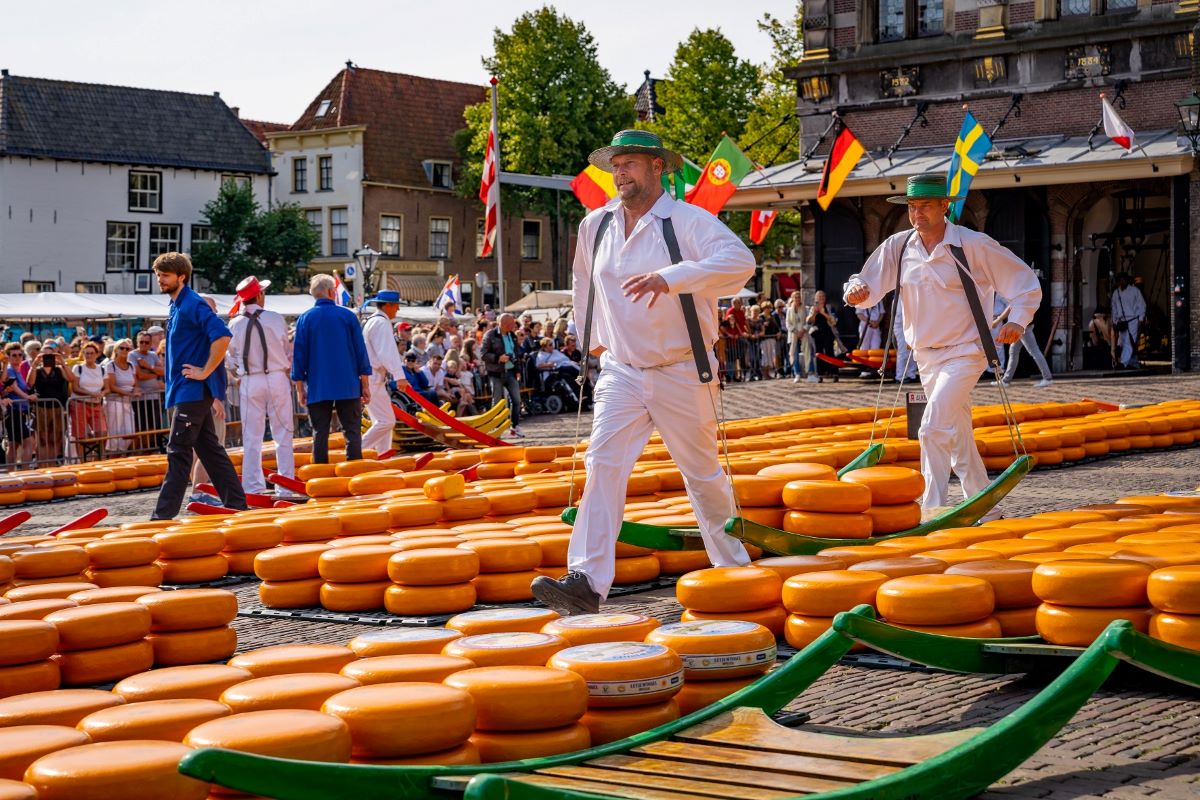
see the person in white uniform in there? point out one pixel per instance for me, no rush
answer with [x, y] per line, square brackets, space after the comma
[651, 378]
[869, 334]
[260, 354]
[385, 360]
[1128, 311]
[939, 324]
[1029, 342]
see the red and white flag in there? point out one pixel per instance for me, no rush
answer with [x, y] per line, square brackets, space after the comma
[1114, 126]
[760, 223]
[489, 190]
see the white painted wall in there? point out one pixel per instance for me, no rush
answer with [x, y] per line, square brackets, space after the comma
[54, 215]
[346, 191]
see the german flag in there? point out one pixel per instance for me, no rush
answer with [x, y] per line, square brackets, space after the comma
[845, 155]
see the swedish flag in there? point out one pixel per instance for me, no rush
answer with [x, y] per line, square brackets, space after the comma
[969, 151]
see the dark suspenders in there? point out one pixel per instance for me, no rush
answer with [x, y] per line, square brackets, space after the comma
[253, 323]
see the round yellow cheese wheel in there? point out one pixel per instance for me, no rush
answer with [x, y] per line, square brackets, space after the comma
[612, 724]
[405, 668]
[554, 548]
[590, 628]
[291, 594]
[678, 562]
[889, 485]
[899, 567]
[504, 587]
[1077, 626]
[199, 681]
[125, 576]
[396, 641]
[300, 690]
[520, 698]
[1065, 537]
[624, 673]
[112, 594]
[823, 594]
[1016, 621]
[179, 648]
[287, 658]
[360, 564]
[280, 733]
[1020, 527]
[16, 790]
[308, 527]
[289, 562]
[758, 491]
[27, 640]
[1175, 589]
[433, 566]
[49, 562]
[718, 649]
[110, 554]
[200, 569]
[465, 507]
[696, 695]
[506, 649]
[497, 746]
[1069, 518]
[772, 618]
[1012, 581]
[401, 719]
[414, 513]
[886, 519]
[855, 553]
[327, 487]
[364, 521]
[935, 599]
[1007, 548]
[160, 720]
[185, 544]
[986, 628]
[729, 589]
[502, 620]
[21, 745]
[251, 536]
[1178, 629]
[800, 471]
[47, 591]
[826, 496]
[800, 630]
[55, 707]
[787, 566]
[465, 753]
[1097, 583]
[501, 455]
[638, 569]
[828, 525]
[354, 596]
[190, 609]
[954, 556]
[100, 625]
[417, 601]
[135, 770]
[104, 664]
[505, 555]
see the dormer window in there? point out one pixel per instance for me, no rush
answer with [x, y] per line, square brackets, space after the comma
[439, 173]
[323, 109]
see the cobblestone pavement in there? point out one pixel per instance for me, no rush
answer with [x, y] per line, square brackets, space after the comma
[1139, 737]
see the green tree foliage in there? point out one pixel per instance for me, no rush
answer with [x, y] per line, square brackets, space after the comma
[708, 91]
[249, 241]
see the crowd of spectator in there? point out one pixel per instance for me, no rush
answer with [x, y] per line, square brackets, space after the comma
[765, 340]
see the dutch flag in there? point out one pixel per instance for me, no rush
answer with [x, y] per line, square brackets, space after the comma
[451, 293]
[340, 295]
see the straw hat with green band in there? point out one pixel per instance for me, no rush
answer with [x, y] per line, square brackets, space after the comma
[634, 141]
[926, 186]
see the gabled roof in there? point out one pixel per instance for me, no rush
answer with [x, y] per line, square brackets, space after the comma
[261, 128]
[73, 121]
[409, 119]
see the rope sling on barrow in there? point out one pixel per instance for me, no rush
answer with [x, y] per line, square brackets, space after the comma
[699, 350]
[985, 336]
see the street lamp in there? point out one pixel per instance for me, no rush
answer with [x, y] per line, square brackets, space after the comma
[367, 259]
[1189, 115]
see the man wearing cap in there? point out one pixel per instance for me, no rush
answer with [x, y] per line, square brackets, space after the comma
[939, 324]
[385, 360]
[260, 354]
[645, 314]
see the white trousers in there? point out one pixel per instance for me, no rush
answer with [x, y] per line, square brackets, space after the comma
[869, 338]
[946, 439]
[383, 418]
[1029, 342]
[262, 397]
[1127, 344]
[906, 361]
[630, 403]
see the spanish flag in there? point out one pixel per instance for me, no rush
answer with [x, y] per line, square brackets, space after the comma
[847, 150]
[593, 187]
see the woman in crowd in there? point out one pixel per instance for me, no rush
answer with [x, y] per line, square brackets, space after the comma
[18, 428]
[754, 337]
[769, 346]
[822, 327]
[120, 385]
[32, 348]
[87, 398]
[797, 337]
[52, 383]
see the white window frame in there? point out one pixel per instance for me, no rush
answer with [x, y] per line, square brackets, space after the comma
[322, 162]
[384, 244]
[148, 197]
[300, 172]
[129, 261]
[333, 226]
[157, 245]
[91, 287]
[36, 286]
[199, 234]
[447, 232]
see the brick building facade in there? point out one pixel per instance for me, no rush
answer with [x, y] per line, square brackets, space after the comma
[1054, 189]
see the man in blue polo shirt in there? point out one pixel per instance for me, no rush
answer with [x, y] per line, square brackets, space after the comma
[331, 369]
[196, 344]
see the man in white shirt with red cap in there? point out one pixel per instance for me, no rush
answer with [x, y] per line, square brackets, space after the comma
[385, 359]
[260, 354]
[648, 271]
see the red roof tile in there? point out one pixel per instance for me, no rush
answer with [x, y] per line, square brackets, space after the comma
[408, 118]
[260, 128]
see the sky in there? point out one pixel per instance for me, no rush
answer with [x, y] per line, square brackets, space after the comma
[270, 58]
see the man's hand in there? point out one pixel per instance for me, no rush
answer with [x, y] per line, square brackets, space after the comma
[650, 283]
[1010, 333]
[402, 383]
[194, 373]
[504, 359]
[301, 395]
[365, 393]
[858, 294]
[218, 409]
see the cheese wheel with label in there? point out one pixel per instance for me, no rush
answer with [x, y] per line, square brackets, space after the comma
[1077, 626]
[190, 609]
[179, 648]
[26, 640]
[401, 719]
[159, 720]
[419, 601]
[201, 569]
[521, 698]
[590, 628]
[502, 620]
[1094, 584]
[54, 707]
[121, 553]
[437, 566]
[723, 589]
[199, 681]
[100, 625]
[22, 745]
[824, 594]
[1175, 589]
[718, 649]
[624, 673]
[301, 690]
[935, 600]
[405, 668]
[287, 658]
[289, 563]
[397, 641]
[772, 618]
[506, 649]
[104, 664]
[131, 770]
[280, 733]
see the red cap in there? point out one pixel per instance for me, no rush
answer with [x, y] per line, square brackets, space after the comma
[404, 326]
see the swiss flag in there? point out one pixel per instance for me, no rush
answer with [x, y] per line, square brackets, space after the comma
[1114, 126]
[760, 223]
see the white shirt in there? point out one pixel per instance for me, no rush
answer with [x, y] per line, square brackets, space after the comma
[437, 380]
[244, 340]
[381, 346]
[716, 264]
[1128, 304]
[554, 358]
[931, 292]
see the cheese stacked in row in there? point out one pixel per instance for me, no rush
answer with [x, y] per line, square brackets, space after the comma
[247, 535]
[1175, 593]
[428, 581]
[124, 561]
[869, 501]
[191, 553]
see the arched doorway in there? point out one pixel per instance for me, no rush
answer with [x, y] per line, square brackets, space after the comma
[1018, 219]
[840, 254]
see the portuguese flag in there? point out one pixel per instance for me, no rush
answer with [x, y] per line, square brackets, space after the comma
[722, 174]
[845, 154]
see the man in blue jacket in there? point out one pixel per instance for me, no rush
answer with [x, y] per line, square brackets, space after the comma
[195, 376]
[417, 379]
[331, 369]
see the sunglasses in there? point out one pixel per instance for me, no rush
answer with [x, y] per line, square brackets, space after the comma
[124, 348]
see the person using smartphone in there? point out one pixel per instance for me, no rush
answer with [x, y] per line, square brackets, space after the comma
[52, 383]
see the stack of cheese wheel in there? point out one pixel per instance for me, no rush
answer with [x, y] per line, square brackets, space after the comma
[814, 598]
[589, 628]
[95, 480]
[102, 643]
[894, 491]
[191, 626]
[25, 664]
[635, 565]
[392, 722]
[134, 770]
[191, 554]
[427, 581]
[538, 459]
[21, 745]
[507, 568]
[1012, 588]
[749, 593]
[290, 575]
[525, 711]
[279, 733]
[7, 571]
[57, 564]
[515, 648]
[356, 577]
[719, 657]
[631, 685]
[499, 462]
[246, 539]
[554, 538]
[123, 562]
[304, 525]
[1080, 598]
[831, 509]
[1175, 594]
[950, 605]
[760, 497]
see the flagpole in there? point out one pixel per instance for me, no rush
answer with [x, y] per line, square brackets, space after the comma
[499, 216]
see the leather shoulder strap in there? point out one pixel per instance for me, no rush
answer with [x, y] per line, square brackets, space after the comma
[972, 292]
[690, 319]
[591, 295]
[887, 344]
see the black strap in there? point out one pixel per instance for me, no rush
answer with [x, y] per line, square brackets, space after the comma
[252, 324]
[591, 297]
[887, 344]
[968, 283]
[690, 319]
